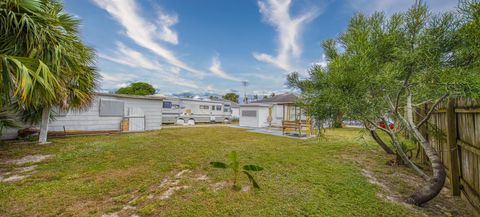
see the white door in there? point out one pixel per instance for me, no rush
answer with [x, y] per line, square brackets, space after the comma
[249, 118]
[136, 120]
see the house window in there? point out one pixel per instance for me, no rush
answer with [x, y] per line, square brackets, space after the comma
[249, 113]
[111, 108]
[204, 107]
[167, 104]
[219, 108]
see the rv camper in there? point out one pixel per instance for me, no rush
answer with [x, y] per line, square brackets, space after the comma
[191, 111]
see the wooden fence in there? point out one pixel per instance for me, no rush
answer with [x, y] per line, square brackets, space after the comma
[454, 131]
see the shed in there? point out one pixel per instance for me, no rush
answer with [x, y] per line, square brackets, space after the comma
[254, 115]
[108, 112]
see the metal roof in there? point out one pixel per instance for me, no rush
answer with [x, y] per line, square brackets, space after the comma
[280, 99]
[150, 97]
[255, 105]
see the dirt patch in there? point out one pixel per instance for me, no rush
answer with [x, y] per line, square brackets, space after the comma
[29, 159]
[26, 169]
[399, 182]
[19, 173]
[162, 191]
[110, 215]
[387, 193]
[13, 178]
[219, 185]
[181, 173]
[169, 192]
[245, 188]
[202, 178]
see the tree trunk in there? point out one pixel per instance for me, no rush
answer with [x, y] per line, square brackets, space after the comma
[435, 184]
[405, 158]
[338, 122]
[42, 139]
[380, 142]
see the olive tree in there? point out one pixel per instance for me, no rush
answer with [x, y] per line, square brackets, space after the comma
[389, 65]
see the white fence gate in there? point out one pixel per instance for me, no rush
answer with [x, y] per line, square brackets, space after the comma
[136, 120]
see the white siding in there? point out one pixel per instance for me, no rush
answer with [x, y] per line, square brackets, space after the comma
[90, 119]
[261, 119]
[235, 112]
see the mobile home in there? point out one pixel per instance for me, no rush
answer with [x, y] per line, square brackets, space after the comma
[191, 111]
[108, 112]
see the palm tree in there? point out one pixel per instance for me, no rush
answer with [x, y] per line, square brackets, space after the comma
[43, 61]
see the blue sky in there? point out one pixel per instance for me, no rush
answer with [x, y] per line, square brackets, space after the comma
[210, 46]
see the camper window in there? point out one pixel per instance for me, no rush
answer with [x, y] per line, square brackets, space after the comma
[219, 108]
[167, 104]
[203, 106]
[111, 108]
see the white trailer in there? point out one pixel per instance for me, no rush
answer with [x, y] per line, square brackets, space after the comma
[191, 111]
[254, 115]
[107, 112]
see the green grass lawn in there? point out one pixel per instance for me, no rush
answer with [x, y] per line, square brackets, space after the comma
[94, 175]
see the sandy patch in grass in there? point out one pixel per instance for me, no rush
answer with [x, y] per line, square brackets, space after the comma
[388, 194]
[219, 186]
[20, 173]
[29, 159]
[399, 182]
[169, 192]
[165, 190]
[13, 178]
[202, 178]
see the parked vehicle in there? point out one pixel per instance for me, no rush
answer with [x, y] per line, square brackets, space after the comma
[191, 111]
[382, 124]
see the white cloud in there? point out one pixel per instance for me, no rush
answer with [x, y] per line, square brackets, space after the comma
[115, 80]
[167, 34]
[134, 59]
[144, 32]
[289, 29]
[216, 69]
[393, 6]
[127, 56]
[323, 62]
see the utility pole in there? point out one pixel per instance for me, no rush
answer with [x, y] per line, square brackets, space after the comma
[245, 83]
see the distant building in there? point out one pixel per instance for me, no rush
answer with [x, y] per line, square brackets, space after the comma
[107, 113]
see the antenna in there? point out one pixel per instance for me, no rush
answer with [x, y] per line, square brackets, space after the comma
[245, 83]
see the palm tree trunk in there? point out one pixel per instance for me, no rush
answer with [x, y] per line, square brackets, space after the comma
[42, 139]
[405, 158]
[435, 184]
[379, 141]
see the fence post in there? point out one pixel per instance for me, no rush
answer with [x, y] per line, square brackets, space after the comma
[452, 153]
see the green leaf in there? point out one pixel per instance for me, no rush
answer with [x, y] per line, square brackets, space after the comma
[233, 156]
[252, 180]
[252, 168]
[217, 164]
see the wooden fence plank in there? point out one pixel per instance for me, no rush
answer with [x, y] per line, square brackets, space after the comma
[454, 132]
[452, 153]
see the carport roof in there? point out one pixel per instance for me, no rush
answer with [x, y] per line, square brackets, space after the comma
[285, 98]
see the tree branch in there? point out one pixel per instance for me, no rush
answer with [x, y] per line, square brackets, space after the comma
[427, 116]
